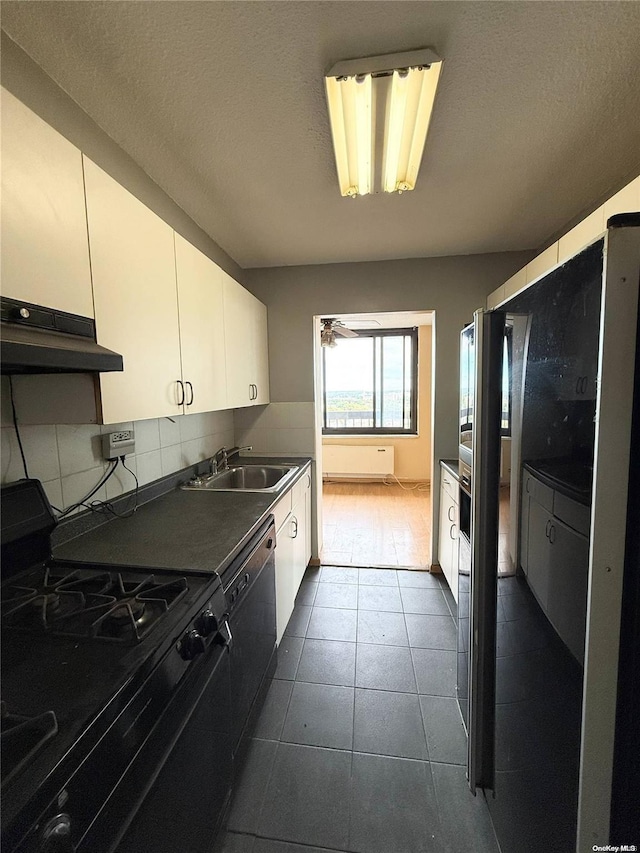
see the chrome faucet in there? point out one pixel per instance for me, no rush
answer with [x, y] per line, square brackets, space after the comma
[219, 461]
[235, 451]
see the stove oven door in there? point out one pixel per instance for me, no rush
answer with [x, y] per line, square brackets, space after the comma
[183, 808]
[173, 795]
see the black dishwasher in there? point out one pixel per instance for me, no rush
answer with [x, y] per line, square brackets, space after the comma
[250, 590]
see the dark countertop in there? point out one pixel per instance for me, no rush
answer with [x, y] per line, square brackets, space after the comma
[570, 477]
[184, 530]
[452, 466]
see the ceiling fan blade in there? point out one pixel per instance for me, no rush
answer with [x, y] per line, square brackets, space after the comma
[346, 333]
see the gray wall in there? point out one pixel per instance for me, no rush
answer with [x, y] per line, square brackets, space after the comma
[453, 287]
[29, 83]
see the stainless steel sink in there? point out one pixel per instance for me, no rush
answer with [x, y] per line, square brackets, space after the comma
[246, 478]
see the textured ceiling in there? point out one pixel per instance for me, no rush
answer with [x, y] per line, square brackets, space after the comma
[222, 104]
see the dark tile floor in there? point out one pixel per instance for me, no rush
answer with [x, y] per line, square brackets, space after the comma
[359, 746]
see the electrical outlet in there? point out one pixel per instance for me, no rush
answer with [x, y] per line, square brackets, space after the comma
[116, 444]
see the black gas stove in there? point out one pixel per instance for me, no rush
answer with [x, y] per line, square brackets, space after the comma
[101, 668]
[116, 606]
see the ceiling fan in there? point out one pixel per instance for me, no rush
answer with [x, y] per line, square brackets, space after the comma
[332, 327]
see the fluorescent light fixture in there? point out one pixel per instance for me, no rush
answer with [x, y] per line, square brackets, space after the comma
[380, 108]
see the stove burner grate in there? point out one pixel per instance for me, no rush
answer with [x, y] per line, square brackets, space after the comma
[104, 605]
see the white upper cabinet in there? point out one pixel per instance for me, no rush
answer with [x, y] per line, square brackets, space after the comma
[45, 257]
[582, 234]
[134, 285]
[202, 329]
[247, 360]
[260, 352]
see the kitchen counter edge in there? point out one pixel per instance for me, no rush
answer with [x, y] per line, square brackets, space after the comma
[205, 548]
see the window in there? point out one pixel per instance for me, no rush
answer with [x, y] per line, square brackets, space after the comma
[370, 384]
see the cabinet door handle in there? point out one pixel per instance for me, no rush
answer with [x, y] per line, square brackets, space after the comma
[449, 513]
[294, 528]
[256, 392]
[453, 527]
[190, 387]
[552, 533]
[446, 481]
[546, 528]
[181, 386]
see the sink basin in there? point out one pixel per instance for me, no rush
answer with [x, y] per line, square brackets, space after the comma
[246, 478]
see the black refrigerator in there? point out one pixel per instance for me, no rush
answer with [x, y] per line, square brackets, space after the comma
[548, 582]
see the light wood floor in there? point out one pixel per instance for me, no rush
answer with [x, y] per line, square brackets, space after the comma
[370, 524]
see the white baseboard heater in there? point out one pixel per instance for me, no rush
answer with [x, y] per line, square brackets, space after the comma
[357, 460]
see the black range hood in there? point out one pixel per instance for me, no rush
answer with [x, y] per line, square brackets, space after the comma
[45, 340]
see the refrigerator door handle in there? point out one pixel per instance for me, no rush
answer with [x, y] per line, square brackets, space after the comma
[485, 499]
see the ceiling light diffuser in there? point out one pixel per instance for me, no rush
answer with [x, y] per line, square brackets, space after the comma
[380, 108]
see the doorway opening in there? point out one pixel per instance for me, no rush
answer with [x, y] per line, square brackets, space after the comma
[374, 426]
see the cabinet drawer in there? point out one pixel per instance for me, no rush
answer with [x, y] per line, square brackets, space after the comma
[538, 491]
[574, 514]
[450, 484]
[298, 490]
[281, 510]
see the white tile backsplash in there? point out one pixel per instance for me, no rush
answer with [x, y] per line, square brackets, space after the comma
[279, 428]
[53, 490]
[149, 466]
[288, 440]
[76, 486]
[122, 480]
[68, 458]
[41, 451]
[191, 426]
[10, 455]
[147, 436]
[79, 447]
[172, 459]
[169, 431]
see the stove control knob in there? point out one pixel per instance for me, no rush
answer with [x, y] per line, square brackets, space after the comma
[207, 623]
[191, 645]
[56, 836]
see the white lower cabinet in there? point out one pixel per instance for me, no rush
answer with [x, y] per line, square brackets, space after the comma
[556, 559]
[293, 551]
[448, 539]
